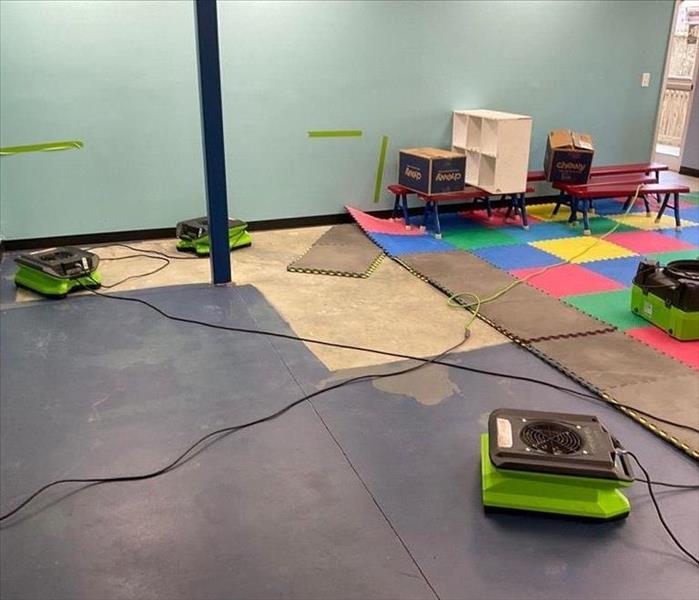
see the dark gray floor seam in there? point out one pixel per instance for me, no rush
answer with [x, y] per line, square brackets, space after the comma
[354, 470]
[375, 501]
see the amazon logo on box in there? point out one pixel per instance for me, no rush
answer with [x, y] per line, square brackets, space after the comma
[431, 170]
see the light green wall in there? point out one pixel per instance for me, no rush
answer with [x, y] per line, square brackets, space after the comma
[121, 76]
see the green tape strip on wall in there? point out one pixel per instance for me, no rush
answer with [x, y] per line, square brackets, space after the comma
[45, 147]
[336, 133]
[380, 168]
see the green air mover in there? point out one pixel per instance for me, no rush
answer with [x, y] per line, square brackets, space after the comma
[57, 271]
[194, 235]
[556, 463]
[668, 296]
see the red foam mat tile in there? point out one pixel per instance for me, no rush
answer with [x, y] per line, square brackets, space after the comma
[567, 280]
[646, 242]
[372, 224]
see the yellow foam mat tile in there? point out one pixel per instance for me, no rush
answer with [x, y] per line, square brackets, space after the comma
[641, 221]
[544, 212]
[594, 248]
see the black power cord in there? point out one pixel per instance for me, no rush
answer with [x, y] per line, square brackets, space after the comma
[670, 485]
[145, 251]
[166, 263]
[657, 508]
[332, 344]
[386, 353]
[215, 436]
[224, 431]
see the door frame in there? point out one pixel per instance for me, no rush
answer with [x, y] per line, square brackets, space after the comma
[673, 162]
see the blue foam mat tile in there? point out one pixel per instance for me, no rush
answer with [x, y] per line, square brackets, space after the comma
[455, 222]
[396, 245]
[622, 270]
[691, 213]
[688, 233]
[522, 256]
[614, 206]
[543, 231]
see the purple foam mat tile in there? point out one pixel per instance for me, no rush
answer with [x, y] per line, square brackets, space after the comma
[351, 261]
[529, 314]
[458, 272]
[346, 234]
[610, 360]
[673, 398]
[524, 312]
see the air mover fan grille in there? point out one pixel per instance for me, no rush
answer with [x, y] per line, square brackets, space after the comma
[551, 438]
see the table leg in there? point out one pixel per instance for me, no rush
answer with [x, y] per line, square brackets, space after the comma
[406, 217]
[488, 208]
[586, 220]
[426, 215]
[523, 209]
[558, 203]
[435, 215]
[676, 200]
[573, 202]
[510, 206]
[396, 204]
[663, 206]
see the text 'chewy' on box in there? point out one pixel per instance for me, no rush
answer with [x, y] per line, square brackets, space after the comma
[568, 156]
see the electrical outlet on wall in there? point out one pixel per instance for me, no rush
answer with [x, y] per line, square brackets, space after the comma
[645, 79]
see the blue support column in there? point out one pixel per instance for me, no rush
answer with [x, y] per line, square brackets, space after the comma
[212, 134]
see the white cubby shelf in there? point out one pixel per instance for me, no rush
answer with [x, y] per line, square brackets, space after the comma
[496, 145]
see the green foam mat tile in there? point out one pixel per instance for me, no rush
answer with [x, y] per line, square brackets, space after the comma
[611, 307]
[666, 257]
[692, 197]
[471, 239]
[602, 225]
[610, 360]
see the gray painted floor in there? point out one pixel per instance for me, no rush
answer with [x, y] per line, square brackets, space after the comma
[341, 498]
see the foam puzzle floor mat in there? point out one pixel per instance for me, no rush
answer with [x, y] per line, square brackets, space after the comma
[342, 250]
[583, 305]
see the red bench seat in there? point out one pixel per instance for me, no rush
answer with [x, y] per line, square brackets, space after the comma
[591, 192]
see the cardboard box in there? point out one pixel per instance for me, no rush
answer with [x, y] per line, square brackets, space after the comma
[431, 170]
[568, 156]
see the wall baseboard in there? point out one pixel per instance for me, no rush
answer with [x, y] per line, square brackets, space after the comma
[266, 225]
[689, 171]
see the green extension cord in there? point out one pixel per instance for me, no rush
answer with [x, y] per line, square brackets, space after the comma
[455, 300]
